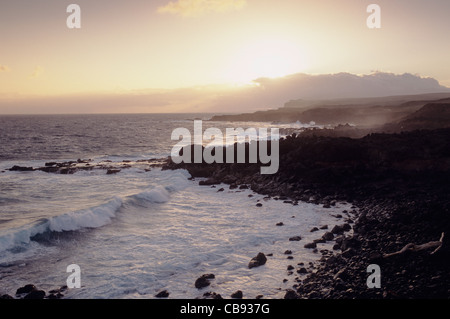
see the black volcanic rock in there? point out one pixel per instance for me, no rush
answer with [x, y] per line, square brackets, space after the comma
[257, 261]
[21, 168]
[203, 281]
[310, 245]
[162, 294]
[328, 236]
[291, 294]
[237, 295]
[26, 289]
[35, 294]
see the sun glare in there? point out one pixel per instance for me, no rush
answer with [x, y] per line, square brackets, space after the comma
[266, 58]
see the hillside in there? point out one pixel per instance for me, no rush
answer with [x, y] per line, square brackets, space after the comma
[431, 116]
[362, 112]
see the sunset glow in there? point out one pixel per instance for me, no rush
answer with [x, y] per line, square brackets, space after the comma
[135, 46]
[266, 58]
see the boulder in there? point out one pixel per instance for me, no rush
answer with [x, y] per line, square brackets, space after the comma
[26, 289]
[291, 294]
[302, 270]
[328, 236]
[162, 294]
[339, 229]
[203, 281]
[257, 261]
[237, 295]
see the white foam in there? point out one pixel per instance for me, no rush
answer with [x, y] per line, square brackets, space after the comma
[157, 195]
[161, 231]
[87, 218]
[95, 216]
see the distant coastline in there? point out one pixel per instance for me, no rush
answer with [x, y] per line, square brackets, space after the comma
[365, 112]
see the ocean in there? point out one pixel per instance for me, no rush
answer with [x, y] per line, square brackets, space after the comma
[141, 230]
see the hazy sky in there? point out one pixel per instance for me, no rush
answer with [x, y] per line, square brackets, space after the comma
[134, 46]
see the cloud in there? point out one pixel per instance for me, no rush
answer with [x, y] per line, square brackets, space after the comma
[267, 93]
[37, 72]
[195, 8]
[4, 68]
[275, 92]
[344, 85]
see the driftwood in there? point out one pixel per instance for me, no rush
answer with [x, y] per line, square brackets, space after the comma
[414, 248]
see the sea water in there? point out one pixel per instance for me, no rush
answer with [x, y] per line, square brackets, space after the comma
[139, 231]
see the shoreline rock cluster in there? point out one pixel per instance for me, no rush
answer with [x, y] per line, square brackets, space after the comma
[71, 167]
[30, 291]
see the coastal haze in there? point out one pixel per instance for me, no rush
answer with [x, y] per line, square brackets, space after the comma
[90, 102]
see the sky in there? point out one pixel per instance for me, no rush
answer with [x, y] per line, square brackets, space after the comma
[185, 55]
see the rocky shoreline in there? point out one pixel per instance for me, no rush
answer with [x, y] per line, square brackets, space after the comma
[399, 182]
